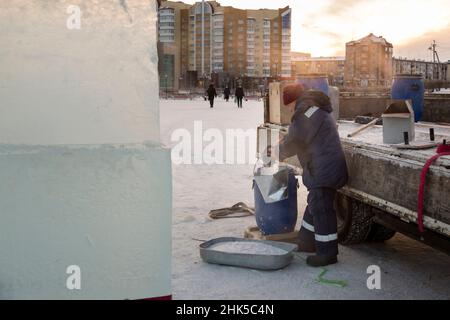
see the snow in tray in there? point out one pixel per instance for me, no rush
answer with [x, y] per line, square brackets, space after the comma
[255, 248]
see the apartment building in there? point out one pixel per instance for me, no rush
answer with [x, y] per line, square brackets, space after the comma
[172, 43]
[368, 62]
[333, 67]
[208, 42]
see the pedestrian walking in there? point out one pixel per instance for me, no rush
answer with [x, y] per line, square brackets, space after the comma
[212, 94]
[226, 93]
[239, 93]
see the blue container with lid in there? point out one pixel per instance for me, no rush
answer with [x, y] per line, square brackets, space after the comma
[410, 87]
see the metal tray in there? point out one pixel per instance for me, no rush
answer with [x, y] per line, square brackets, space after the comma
[252, 261]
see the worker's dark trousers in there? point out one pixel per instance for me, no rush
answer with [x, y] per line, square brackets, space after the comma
[320, 222]
[211, 102]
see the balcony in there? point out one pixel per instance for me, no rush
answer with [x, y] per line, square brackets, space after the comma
[166, 13]
[162, 27]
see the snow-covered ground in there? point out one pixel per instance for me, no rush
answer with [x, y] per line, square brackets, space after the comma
[443, 91]
[409, 269]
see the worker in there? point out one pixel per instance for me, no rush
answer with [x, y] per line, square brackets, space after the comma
[226, 93]
[212, 94]
[239, 93]
[313, 137]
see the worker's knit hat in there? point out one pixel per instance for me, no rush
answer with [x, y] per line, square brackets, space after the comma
[292, 92]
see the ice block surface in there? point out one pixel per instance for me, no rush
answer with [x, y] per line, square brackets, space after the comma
[93, 85]
[84, 181]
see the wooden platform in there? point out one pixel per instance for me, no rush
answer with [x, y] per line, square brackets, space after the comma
[255, 233]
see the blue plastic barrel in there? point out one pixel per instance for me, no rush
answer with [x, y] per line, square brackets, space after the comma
[410, 87]
[279, 217]
[314, 82]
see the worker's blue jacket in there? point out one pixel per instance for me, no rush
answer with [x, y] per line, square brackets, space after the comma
[314, 138]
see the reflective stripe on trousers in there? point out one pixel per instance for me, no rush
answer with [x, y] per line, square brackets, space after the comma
[308, 226]
[320, 222]
[327, 238]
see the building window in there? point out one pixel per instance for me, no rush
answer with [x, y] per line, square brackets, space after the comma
[167, 39]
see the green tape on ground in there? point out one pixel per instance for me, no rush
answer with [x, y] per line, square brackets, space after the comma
[336, 283]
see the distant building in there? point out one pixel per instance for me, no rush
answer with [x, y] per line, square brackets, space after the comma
[448, 70]
[300, 55]
[217, 43]
[430, 70]
[368, 62]
[173, 44]
[334, 67]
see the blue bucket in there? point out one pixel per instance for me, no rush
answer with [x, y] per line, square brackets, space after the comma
[279, 217]
[410, 87]
[314, 82]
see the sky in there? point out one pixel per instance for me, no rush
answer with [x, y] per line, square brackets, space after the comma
[322, 27]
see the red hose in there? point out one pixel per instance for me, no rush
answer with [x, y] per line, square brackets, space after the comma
[443, 150]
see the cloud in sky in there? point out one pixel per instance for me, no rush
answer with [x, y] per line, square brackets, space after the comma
[338, 8]
[322, 27]
[411, 47]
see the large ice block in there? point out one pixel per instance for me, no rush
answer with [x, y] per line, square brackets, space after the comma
[103, 208]
[84, 180]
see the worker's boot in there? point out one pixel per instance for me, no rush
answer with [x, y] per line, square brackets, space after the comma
[321, 261]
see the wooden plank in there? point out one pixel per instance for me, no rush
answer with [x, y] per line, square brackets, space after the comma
[364, 127]
[255, 233]
[397, 180]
